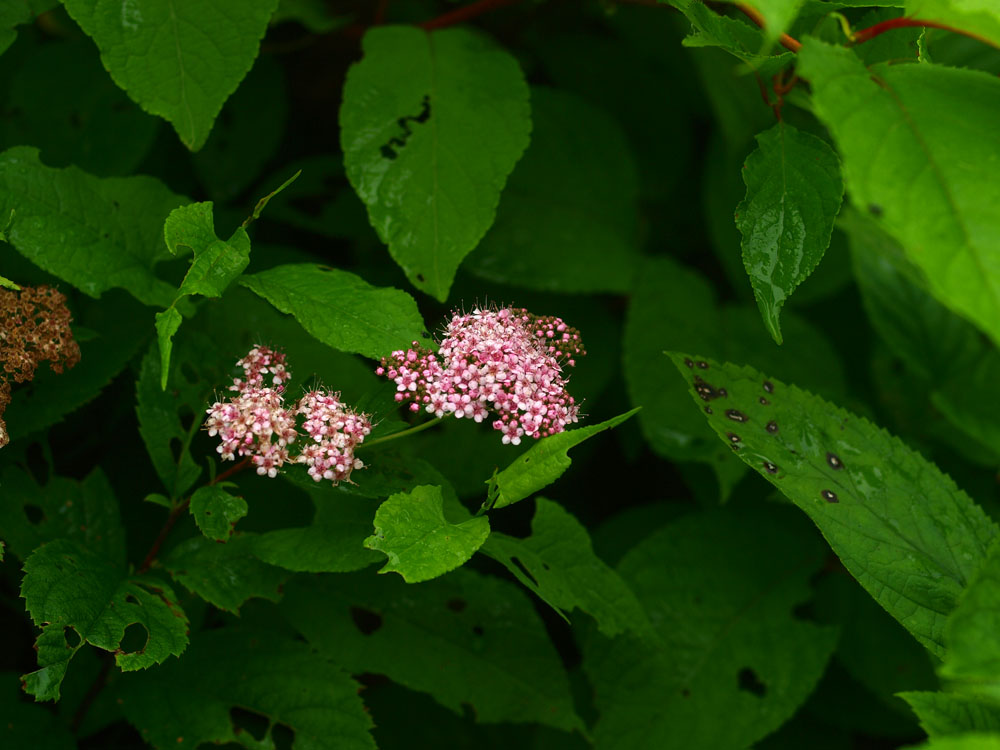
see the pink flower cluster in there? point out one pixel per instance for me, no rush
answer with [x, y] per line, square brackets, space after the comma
[256, 423]
[506, 363]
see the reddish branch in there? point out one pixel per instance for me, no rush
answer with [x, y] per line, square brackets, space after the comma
[788, 42]
[178, 511]
[901, 23]
[465, 13]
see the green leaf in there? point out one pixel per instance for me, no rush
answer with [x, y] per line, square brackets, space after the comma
[467, 639]
[16, 13]
[720, 589]
[262, 203]
[87, 511]
[96, 234]
[121, 328]
[902, 528]
[973, 632]
[24, 725]
[410, 528]
[673, 307]
[944, 714]
[738, 38]
[793, 196]
[976, 17]
[179, 59]
[543, 463]
[926, 176]
[558, 563]
[568, 218]
[215, 266]
[189, 702]
[314, 15]
[969, 741]
[66, 586]
[416, 114]
[224, 575]
[169, 420]
[62, 102]
[945, 350]
[216, 512]
[341, 309]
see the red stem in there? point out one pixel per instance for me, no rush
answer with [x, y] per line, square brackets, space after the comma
[788, 42]
[178, 511]
[901, 23]
[465, 13]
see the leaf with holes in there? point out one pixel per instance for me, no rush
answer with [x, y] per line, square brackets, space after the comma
[467, 639]
[925, 175]
[568, 218]
[558, 563]
[416, 113]
[543, 463]
[179, 59]
[410, 528]
[96, 234]
[227, 672]
[340, 309]
[793, 196]
[225, 575]
[945, 714]
[66, 586]
[728, 643]
[902, 528]
[216, 512]
[85, 511]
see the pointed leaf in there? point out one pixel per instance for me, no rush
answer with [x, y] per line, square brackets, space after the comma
[793, 196]
[96, 234]
[543, 463]
[720, 589]
[978, 18]
[179, 59]
[973, 632]
[341, 309]
[189, 702]
[66, 585]
[416, 113]
[902, 528]
[410, 528]
[558, 563]
[944, 714]
[926, 176]
[467, 639]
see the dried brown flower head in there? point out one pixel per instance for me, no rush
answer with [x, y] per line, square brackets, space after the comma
[34, 328]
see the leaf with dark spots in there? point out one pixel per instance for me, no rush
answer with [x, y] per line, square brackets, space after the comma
[908, 534]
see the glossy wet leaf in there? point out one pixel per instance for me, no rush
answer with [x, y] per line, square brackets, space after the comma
[567, 220]
[340, 309]
[159, 52]
[224, 575]
[793, 196]
[416, 113]
[674, 307]
[467, 639]
[191, 701]
[543, 463]
[720, 589]
[86, 511]
[216, 511]
[558, 564]
[902, 528]
[66, 585]
[926, 176]
[946, 714]
[96, 234]
[412, 531]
